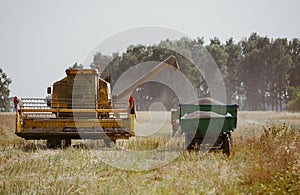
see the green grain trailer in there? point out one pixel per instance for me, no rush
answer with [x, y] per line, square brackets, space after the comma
[208, 122]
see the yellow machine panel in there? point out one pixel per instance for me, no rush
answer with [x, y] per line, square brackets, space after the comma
[80, 107]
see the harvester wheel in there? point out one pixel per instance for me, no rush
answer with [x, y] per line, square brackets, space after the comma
[67, 143]
[108, 142]
[189, 145]
[53, 143]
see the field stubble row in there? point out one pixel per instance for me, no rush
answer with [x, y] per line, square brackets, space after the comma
[265, 159]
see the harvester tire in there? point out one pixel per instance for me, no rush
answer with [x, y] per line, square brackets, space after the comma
[189, 142]
[67, 143]
[54, 143]
[108, 142]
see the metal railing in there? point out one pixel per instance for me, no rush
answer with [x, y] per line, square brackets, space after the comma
[65, 108]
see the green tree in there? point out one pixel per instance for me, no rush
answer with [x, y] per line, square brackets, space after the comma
[259, 73]
[100, 60]
[233, 82]
[253, 80]
[76, 66]
[292, 92]
[220, 56]
[294, 76]
[139, 54]
[294, 104]
[253, 71]
[4, 92]
[294, 73]
[279, 63]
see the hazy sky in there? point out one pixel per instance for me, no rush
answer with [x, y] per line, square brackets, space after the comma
[39, 39]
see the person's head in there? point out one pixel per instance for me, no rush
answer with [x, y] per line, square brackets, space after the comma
[131, 101]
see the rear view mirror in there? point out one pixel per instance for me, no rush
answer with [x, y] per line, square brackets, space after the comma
[48, 90]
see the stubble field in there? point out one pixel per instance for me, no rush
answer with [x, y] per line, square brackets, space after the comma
[265, 159]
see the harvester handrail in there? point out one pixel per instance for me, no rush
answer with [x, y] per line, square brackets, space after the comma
[73, 110]
[86, 103]
[40, 105]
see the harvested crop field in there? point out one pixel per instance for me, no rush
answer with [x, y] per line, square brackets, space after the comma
[265, 159]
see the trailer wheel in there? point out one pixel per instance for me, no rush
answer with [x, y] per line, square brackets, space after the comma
[226, 146]
[230, 136]
[190, 143]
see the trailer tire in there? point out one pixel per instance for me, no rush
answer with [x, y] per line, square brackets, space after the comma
[230, 136]
[226, 146]
[190, 142]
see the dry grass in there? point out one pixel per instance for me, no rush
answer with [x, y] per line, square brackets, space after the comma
[272, 160]
[265, 159]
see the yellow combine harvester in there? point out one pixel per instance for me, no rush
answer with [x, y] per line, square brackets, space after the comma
[81, 107]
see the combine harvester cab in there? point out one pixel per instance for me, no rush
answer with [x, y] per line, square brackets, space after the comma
[81, 107]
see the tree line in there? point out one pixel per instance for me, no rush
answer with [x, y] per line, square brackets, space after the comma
[259, 73]
[4, 91]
